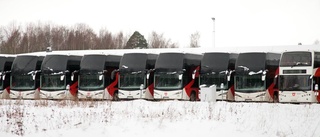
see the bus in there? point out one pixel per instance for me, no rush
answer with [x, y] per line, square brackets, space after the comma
[299, 77]
[95, 79]
[5, 72]
[256, 76]
[217, 68]
[59, 76]
[176, 76]
[135, 76]
[25, 76]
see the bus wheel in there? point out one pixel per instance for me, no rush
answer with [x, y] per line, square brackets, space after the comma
[115, 96]
[275, 98]
[193, 96]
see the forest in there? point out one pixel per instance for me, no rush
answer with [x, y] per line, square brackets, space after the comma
[32, 37]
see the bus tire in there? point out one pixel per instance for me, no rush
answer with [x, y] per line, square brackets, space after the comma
[275, 97]
[193, 96]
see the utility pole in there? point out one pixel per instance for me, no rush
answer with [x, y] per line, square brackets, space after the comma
[213, 32]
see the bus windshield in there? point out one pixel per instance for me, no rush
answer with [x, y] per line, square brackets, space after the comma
[296, 59]
[167, 81]
[132, 80]
[91, 82]
[249, 83]
[22, 82]
[24, 64]
[295, 82]
[220, 80]
[52, 82]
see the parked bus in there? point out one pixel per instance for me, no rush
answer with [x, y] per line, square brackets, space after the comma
[176, 76]
[135, 76]
[59, 77]
[299, 77]
[5, 72]
[255, 76]
[95, 79]
[217, 68]
[25, 76]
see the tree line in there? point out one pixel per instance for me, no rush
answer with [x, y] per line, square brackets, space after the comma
[15, 39]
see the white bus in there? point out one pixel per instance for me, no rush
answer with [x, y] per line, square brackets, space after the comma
[176, 76]
[135, 76]
[255, 76]
[59, 75]
[5, 72]
[299, 77]
[95, 78]
[25, 76]
[217, 68]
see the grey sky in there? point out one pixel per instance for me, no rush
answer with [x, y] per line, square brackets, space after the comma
[238, 22]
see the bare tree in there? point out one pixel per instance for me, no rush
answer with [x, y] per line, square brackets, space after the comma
[158, 41]
[120, 40]
[59, 37]
[12, 38]
[194, 40]
[105, 40]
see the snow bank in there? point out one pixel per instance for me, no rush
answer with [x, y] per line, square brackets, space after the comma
[167, 118]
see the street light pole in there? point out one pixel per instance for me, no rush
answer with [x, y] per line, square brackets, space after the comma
[213, 32]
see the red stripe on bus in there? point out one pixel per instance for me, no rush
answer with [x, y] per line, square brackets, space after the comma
[317, 74]
[151, 89]
[74, 88]
[113, 86]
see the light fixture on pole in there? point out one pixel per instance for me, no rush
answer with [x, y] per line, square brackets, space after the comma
[213, 32]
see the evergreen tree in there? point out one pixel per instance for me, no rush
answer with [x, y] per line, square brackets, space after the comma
[136, 41]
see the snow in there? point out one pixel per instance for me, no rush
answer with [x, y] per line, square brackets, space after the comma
[164, 118]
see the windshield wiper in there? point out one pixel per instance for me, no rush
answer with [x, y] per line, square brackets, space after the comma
[136, 72]
[171, 73]
[299, 64]
[244, 68]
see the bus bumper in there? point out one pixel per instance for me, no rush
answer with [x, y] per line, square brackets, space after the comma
[259, 96]
[98, 94]
[58, 94]
[170, 95]
[297, 97]
[132, 94]
[29, 94]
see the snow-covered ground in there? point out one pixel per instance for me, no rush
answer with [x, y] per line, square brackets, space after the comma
[141, 118]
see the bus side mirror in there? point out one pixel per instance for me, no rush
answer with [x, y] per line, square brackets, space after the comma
[228, 77]
[3, 77]
[113, 73]
[100, 77]
[61, 77]
[72, 77]
[316, 87]
[194, 74]
[148, 75]
[263, 78]
[180, 76]
[33, 77]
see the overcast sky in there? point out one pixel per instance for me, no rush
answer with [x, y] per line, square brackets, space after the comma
[238, 22]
